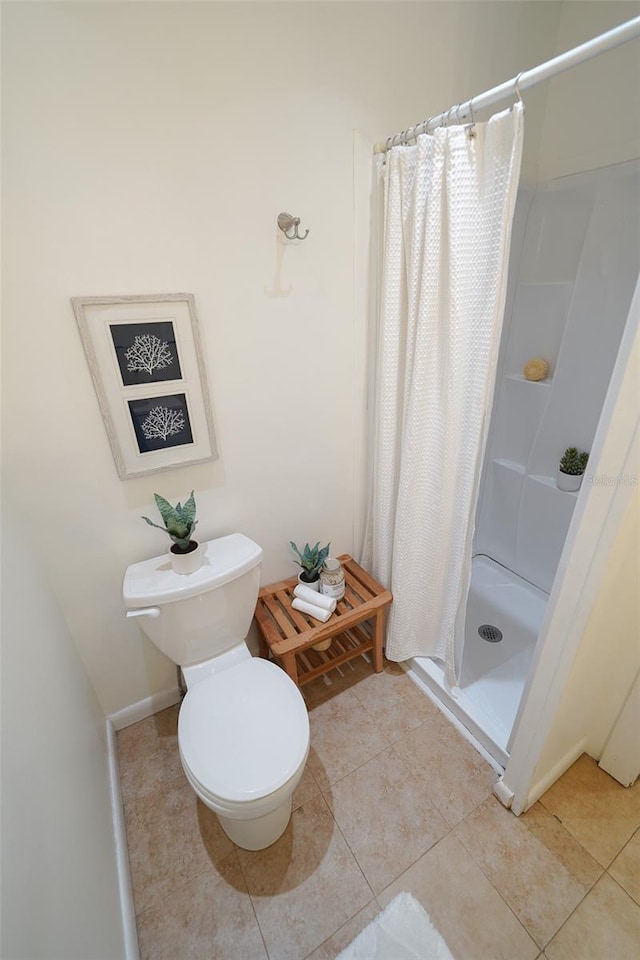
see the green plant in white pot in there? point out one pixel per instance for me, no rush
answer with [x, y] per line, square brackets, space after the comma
[311, 560]
[179, 523]
[571, 469]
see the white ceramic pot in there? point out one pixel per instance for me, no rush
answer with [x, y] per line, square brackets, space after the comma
[315, 585]
[569, 481]
[186, 563]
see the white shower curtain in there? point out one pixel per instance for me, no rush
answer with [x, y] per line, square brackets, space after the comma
[448, 206]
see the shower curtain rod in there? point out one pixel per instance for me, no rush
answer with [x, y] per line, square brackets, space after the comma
[528, 78]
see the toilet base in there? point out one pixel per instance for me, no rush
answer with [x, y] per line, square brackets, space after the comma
[262, 831]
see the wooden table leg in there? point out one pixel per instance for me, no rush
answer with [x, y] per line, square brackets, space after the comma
[264, 647]
[289, 662]
[378, 637]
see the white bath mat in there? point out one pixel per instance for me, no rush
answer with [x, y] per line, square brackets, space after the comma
[403, 931]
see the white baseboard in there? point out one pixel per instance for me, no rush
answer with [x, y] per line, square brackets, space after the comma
[542, 785]
[503, 793]
[127, 909]
[144, 708]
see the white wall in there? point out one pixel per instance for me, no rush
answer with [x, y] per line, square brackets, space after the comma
[149, 148]
[608, 658]
[580, 677]
[582, 670]
[592, 116]
[59, 885]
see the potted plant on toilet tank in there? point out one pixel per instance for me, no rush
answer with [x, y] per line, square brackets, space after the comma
[571, 469]
[311, 560]
[179, 523]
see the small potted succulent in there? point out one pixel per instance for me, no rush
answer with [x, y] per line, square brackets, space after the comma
[179, 523]
[311, 560]
[571, 469]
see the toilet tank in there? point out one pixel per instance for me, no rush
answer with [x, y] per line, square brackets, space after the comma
[195, 617]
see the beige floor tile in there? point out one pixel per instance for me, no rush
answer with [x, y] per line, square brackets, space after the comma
[148, 754]
[306, 789]
[385, 817]
[534, 863]
[172, 837]
[465, 908]
[597, 810]
[343, 737]
[606, 926]
[394, 701]
[207, 918]
[330, 949]
[455, 777]
[308, 891]
[305, 886]
[626, 867]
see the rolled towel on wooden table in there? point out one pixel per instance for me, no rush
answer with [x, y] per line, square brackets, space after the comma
[315, 598]
[311, 609]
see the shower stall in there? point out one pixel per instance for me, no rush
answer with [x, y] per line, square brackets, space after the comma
[573, 269]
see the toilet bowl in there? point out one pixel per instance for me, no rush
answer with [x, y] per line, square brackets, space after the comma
[244, 739]
[243, 727]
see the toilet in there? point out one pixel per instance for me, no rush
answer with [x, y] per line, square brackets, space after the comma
[243, 729]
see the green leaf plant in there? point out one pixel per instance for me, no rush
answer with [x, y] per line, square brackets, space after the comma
[573, 462]
[179, 521]
[310, 559]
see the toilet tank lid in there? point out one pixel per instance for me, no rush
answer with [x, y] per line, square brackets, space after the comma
[153, 581]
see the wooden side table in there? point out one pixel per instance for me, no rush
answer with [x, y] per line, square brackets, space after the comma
[289, 635]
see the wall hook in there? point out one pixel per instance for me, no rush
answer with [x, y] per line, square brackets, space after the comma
[286, 223]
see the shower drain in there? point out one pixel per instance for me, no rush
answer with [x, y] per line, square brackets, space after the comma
[488, 632]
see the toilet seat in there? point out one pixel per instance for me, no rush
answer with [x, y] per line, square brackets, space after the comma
[243, 733]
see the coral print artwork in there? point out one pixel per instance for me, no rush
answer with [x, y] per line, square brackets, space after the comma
[146, 352]
[161, 422]
[146, 358]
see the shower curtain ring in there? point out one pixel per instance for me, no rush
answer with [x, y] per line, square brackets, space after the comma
[516, 87]
[471, 129]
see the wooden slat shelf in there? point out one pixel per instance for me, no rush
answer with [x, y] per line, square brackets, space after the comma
[289, 635]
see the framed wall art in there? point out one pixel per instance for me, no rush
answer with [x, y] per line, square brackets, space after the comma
[145, 357]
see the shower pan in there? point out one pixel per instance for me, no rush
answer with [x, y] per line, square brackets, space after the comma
[503, 619]
[573, 269]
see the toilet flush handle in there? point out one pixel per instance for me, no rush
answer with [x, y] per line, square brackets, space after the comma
[145, 612]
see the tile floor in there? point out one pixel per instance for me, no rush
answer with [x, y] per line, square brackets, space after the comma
[392, 799]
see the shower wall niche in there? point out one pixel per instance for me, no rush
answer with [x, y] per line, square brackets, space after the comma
[574, 266]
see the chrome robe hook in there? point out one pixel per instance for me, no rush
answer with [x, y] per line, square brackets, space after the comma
[287, 223]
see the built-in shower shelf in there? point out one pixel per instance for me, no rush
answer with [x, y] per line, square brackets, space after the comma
[510, 465]
[551, 482]
[519, 469]
[518, 378]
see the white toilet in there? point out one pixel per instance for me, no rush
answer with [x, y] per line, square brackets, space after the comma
[243, 729]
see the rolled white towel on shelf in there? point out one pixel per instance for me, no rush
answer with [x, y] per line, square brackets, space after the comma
[311, 609]
[315, 598]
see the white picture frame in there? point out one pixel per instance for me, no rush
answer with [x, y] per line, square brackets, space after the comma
[145, 357]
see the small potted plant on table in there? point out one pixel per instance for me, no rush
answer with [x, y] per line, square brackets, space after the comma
[311, 560]
[179, 523]
[571, 469]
